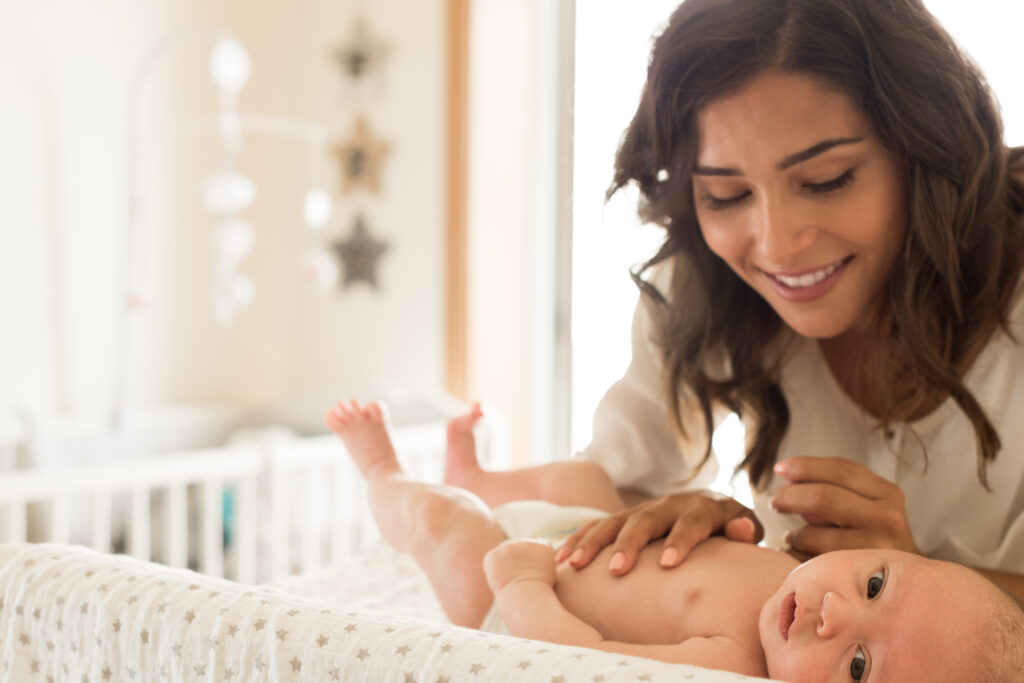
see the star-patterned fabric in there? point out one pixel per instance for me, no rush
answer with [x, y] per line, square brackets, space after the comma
[71, 614]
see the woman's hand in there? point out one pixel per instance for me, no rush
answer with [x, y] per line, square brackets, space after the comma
[685, 519]
[845, 506]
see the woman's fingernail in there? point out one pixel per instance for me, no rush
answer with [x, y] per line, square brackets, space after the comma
[669, 557]
[618, 562]
[781, 469]
[771, 501]
[576, 556]
[560, 555]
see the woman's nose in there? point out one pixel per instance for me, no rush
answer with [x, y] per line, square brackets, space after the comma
[783, 232]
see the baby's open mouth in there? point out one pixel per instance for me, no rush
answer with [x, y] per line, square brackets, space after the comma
[787, 614]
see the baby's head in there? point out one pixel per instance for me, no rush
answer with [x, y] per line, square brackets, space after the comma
[882, 615]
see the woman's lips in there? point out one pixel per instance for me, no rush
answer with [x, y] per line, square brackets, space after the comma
[808, 286]
[787, 614]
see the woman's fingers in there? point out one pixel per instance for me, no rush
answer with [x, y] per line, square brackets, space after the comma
[827, 504]
[580, 548]
[842, 473]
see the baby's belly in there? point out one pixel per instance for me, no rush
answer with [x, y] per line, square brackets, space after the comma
[718, 590]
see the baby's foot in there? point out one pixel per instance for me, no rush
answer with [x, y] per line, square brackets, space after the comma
[460, 463]
[364, 431]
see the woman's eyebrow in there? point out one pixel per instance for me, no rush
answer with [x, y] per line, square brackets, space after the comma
[788, 162]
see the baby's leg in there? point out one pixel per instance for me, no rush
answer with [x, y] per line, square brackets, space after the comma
[573, 482]
[446, 530]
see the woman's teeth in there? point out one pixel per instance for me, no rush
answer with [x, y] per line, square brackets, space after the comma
[808, 279]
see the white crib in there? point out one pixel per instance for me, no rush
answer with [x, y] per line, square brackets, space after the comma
[293, 505]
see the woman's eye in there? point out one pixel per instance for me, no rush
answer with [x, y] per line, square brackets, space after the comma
[875, 583]
[857, 665]
[831, 185]
[720, 203]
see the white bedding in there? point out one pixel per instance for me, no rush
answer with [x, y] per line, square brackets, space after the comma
[71, 614]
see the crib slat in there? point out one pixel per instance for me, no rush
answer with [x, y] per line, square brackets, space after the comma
[16, 521]
[140, 544]
[311, 525]
[176, 532]
[278, 483]
[245, 531]
[100, 537]
[60, 520]
[341, 537]
[211, 515]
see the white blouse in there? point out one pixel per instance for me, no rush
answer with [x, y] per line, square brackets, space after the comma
[951, 515]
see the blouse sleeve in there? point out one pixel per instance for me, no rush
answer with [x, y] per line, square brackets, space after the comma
[635, 439]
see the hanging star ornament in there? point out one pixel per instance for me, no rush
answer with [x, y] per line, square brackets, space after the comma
[360, 254]
[361, 57]
[360, 159]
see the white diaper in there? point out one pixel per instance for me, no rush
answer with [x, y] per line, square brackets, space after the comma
[540, 521]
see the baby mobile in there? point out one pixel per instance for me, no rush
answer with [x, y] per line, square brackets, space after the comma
[360, 158]
[227, 193]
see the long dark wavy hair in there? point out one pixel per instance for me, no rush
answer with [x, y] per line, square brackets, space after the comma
[928, 103]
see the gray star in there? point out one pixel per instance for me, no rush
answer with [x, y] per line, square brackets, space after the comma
[232, 630]
[446, 647]
[409, 678]
[131, 673]
[107, 673]
[200, 669]
[189, 616]
[296, 664]
[37, 612]
[260, 665]
[389, 630]
[177, 650]
[598, 679]
[260, 624]
[442, 679]
[644, 677]
[362, 54]
[558, 679]
[162, 607]
[281, 633]
[335, 674]
[24, 639]
[525, 664]
[228, 674]
[360, 254]
[363, 654]
[117, 626]
[476, 668]
[133, 599]
[322, 640]
[350, 628]
[85, 608]
[402, 650]
[213, 643]
[35, 666]
[293, 612]
[145, 636]
[50, 646]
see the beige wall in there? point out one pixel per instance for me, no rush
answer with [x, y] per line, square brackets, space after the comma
[62, 129]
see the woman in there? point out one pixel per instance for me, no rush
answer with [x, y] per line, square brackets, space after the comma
[843, 262]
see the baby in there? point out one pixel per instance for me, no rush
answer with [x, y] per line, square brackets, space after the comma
[859, 615]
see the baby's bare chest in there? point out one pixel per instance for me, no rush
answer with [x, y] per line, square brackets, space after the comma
[717, 591]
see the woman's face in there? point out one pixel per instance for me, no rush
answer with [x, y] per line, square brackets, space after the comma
[793, 190]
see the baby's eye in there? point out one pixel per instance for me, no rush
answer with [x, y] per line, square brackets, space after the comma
[875, 583]
[857, 665]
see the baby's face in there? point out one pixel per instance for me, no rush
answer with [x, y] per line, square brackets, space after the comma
[874, 615]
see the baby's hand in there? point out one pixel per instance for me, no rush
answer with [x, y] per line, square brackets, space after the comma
[514, 561]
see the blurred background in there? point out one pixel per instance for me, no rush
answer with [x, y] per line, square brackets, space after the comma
[211, 211]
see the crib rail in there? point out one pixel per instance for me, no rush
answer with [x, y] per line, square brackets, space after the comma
[251, 513]
[163, 480]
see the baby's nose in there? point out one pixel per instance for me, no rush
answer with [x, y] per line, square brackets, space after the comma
[832, 615]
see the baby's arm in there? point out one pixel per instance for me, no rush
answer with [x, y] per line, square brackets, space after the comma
[522, 576]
